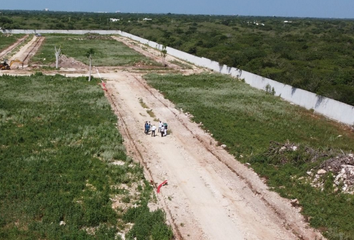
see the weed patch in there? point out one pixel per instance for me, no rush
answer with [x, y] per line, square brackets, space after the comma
[142, 103]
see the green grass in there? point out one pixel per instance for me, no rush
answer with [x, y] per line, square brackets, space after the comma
[142, 103]
[181, 64]
[6, 40]
[58, 141]
[107, 51]
[247, 120]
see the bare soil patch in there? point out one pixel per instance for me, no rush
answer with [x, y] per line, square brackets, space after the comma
[11, 47]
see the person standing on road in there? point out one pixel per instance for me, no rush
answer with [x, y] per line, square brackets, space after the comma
[147, 127]
[162, 130]
[153, 129]
[165, 129]
[160, 125]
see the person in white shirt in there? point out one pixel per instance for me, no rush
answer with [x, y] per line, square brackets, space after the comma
[153, 129]
[160, 125]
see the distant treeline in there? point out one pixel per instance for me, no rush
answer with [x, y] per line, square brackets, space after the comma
[313, 54]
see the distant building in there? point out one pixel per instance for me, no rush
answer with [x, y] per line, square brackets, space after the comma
[46, 9]
[147, 19]
[256, 23]
[114, 19]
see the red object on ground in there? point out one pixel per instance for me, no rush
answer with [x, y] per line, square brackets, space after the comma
[159, 187]
[104, 86]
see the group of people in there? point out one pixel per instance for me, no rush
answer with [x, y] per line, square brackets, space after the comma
[162, 128]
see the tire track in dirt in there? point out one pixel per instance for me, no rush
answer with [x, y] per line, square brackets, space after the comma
[133, 148]
[29, 50]
[260, 191]
[264, 214]
[211, 197]
[33, 48]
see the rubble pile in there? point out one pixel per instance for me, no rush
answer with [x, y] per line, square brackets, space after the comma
[69, 62]
[342, 167]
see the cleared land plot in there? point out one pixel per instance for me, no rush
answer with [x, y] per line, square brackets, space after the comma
[107, 51]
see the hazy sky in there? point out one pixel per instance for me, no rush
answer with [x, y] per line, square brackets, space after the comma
[286, 8]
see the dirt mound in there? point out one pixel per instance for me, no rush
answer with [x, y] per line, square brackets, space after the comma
[69, 62]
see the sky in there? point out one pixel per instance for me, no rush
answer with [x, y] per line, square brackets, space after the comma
[279, 8]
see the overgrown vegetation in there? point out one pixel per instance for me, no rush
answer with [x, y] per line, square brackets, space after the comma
[250, 122]
[59, 146]
[8, 39]
[312, 54]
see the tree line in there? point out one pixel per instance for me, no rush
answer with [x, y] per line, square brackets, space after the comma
[313, 54]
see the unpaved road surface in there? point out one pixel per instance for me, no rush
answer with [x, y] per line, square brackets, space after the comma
[209, 194]
[5, 52]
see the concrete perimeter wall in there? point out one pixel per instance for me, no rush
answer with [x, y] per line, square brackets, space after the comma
[330, 108]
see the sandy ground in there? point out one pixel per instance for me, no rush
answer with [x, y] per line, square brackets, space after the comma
[209, 194]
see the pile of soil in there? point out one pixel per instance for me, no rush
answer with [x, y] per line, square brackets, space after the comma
[69, 62]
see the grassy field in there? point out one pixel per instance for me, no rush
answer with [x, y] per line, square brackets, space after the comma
[107, 51]
[250, 122]
[6, 41]
[59, 149]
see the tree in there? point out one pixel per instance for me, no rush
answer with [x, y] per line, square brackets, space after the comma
[163, 54]
[89, 54]
[57, 56]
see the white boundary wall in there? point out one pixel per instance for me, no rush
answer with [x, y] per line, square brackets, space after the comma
[330, 108]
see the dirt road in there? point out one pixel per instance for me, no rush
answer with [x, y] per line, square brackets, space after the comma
[209, 194]
[10, 48]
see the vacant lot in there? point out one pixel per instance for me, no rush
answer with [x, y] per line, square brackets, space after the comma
[107, 51]
[203, 178]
